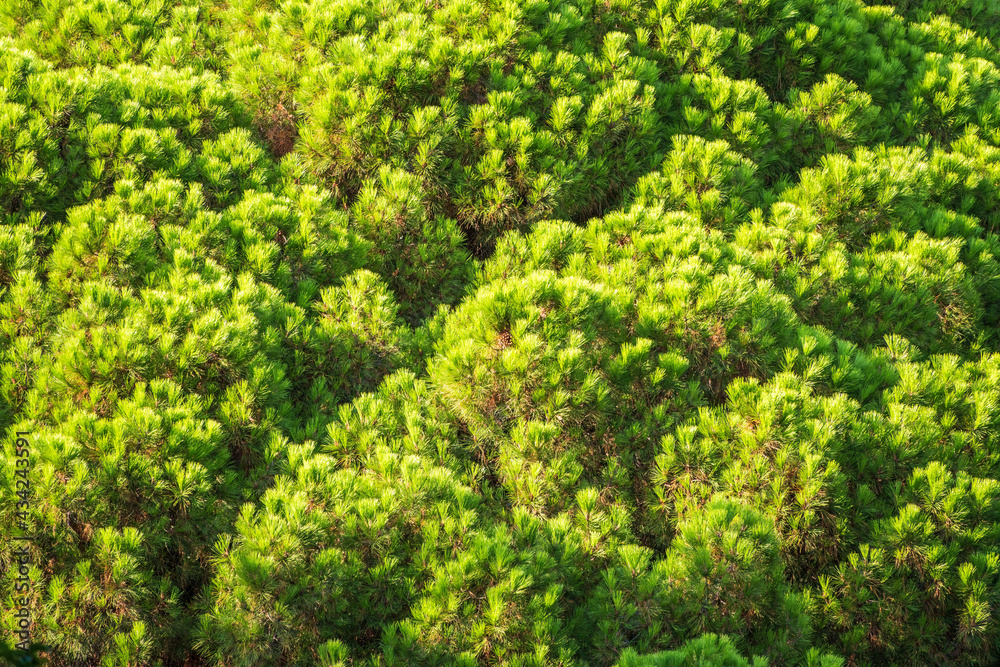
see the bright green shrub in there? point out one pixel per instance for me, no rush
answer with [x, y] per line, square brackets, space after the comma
[354, 340]
[772, 446]
[834, 116]
[889, 600]
[113, 32]
[706, 179]
[709, 649]
[83, 131]
[403, 416]
[983, 16]
[421, 258]
[718, 576]
[567, 380]
[123, 510]
[736, 111]
[295, 567]
[494, 603]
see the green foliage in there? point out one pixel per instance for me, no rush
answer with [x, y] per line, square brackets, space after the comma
[714, 184]
[422, 259]
[935, 542]
[710, 650]
[482, 332]
[331, 554]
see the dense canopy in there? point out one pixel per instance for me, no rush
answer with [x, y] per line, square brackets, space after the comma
[551, 333]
